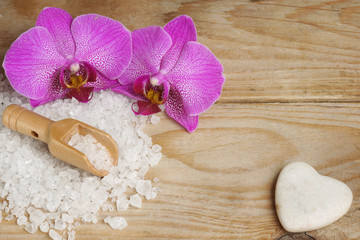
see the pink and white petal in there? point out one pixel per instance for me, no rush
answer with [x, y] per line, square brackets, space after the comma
[101, 82]
[38, 102]
[55, 91]
[149, 46]
[198, 77]
[46, 99]
[175, 109]
[128, 90]
[58, 22]
[182, 30]
[32, 63]
[102, 42]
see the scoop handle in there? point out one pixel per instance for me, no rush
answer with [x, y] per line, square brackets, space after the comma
[27, 122]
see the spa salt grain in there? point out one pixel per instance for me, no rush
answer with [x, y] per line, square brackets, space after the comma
[56, 195]
[97, 154]
[116, 222]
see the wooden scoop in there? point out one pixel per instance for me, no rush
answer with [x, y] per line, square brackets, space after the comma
[57, 135]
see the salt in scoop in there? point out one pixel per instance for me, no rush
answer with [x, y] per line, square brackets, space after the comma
[57, 135]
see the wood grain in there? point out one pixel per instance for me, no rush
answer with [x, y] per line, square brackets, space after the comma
[272, 51]
[292, 94]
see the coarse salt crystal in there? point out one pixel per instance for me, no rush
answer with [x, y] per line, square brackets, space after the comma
[36, 217]
[94, 220]
[116, 222]
[155, 119]
[22, 220]
[105, 208]
[88, 218]
[162, 107]
[144, 188]
[67, 218]
[59, 224]
[54, 235]
[156, 148]
[135, 200]
[30, 228]
[71, 235]
[118, 190]
[44, 227]
[9, 217]
[122, 203]
[100, 195]
[157, 189]
[154, 159]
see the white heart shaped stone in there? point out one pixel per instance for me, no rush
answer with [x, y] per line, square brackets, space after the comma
[306, 200]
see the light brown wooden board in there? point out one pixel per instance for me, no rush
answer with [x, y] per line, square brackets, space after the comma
[218, 183]
[271, 50]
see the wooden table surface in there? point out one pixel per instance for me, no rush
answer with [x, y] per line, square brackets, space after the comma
[292, 93]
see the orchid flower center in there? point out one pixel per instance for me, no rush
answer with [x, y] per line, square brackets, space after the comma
[77, 76]
[154, 92]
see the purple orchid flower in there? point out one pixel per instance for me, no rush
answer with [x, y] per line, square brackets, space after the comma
[65, 57]
[169, 67]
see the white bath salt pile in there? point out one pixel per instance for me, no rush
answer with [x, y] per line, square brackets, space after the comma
[97, 154]
[48, 195]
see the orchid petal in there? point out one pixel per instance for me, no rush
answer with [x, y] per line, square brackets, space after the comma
[55, 91]
[102, 42]
[175, 109]
[146, 108]
[58, 22]
[198, 78]
[82, 94]
[101, 83]
[182, 30]
[32, 63]
[128, 90]
[149, 46]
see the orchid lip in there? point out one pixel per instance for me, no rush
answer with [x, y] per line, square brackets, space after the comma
[145, 108]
